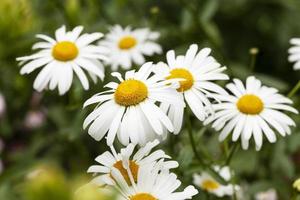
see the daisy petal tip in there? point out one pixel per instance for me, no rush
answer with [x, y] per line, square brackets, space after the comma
[221, 139]
[89, 170]
[109, 142]
[194, 46]
[155, 142]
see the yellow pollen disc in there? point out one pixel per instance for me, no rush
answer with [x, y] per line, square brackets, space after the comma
[65, 51]
[127, 42]
[143, 196]
[131, 92]
[134, 168]
[184, 74]
[210, 185]
[250, 104]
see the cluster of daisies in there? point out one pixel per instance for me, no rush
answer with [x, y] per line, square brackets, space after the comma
[143, 106]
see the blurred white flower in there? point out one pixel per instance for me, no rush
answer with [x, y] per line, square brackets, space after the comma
[34, 119]
[206, 182]
[198, 70]
[129, 46]
[61, 56]
[253, 110]
[2, 105]
[153, 183]
[128, 109]
[266, 195]
[143, 156]
[294, 52]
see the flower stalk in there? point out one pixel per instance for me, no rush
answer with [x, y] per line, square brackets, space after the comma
[196, 153]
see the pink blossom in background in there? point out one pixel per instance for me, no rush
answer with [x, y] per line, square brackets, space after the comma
[34, 119]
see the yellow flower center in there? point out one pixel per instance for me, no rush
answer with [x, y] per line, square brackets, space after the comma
[143, 196]
[127, 42]
[65, 51]
[131, 92]
[210, 185]
[250, 104]
[184, 74]
[134, 168]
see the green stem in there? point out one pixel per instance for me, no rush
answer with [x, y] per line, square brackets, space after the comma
[294, 90]
[197, 155]
[252, 62]
[233, 149]
[226, 149]
[207, 196]
[171, 144]
[231, 153]
[294, 195]
[253, 55]
[192, 140]
[234, 197]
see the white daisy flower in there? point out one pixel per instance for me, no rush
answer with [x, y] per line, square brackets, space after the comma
[143, 156]
[153, 183]
[252, 110]
[61, 56]
[206, 182]
[294, 52]
[129, 46]
[128, 108]
[198, 71]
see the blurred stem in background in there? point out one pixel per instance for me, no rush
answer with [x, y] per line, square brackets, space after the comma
[230, 154]
[294, 90]
[253, 55]
[196, 153]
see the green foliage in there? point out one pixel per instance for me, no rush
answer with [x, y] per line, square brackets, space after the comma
[229, 27]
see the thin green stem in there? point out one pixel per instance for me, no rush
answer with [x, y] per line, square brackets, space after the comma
[226, 148]
[294, 90]
[234, 197]
[253, 55]
[294, 195]
[192, 140]
[252, 62]
[197, 155]
[207, 196]
[233, 149]
[231, 153]
[171, 144]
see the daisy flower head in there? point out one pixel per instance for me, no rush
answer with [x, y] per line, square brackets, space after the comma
[154, 182]
[143, 156]
[294, 52]
[69, 52]
[252, 110]
[129, 46]
[198, 71]
[129, 110]
[206, 182]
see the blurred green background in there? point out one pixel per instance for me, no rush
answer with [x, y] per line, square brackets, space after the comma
[46, 129]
